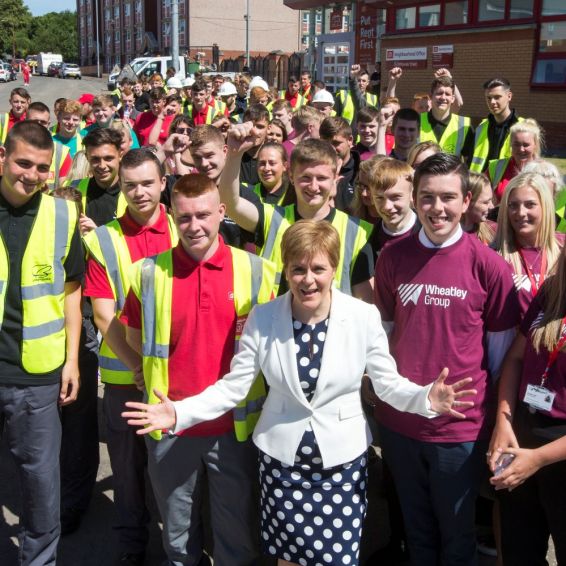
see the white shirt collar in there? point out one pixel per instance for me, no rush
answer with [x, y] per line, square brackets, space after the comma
[424, 240]
[405, 229]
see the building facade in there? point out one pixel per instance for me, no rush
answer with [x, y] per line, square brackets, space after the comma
[130, 28]
[522, 40]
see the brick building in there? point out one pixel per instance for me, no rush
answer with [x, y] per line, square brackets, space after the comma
[129, 28]
[522, 40]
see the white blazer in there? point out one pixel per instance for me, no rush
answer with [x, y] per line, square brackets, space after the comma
[355, 343]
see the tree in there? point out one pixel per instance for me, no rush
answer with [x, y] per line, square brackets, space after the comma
[56, 32]
[14, 18]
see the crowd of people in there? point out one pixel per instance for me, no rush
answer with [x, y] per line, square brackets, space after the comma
[268, 282]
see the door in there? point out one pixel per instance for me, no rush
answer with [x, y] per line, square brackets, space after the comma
[336, 65]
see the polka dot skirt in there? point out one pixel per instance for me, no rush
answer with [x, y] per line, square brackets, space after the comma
[311, 515]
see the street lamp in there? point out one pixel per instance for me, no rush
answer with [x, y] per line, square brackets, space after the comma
[247, 18]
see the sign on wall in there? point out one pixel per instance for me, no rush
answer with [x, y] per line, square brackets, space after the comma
[366, 53]
[442, 56]
[336, 19]
[406, 58]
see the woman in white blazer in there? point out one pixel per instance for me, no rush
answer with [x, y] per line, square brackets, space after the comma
[313, 346]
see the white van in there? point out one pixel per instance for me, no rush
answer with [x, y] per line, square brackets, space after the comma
[147, 66]
[45, 59]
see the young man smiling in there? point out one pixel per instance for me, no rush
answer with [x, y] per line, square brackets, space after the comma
[19, 102]
[448, 301]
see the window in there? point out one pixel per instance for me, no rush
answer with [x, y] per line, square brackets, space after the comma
[491, 10]
[429, 16]
[550, 64]
[553, 8]
[550, 72]
[116, 12]
[552, 37]
[521, 9]
[117, 36]
[456, 13]
[406, 18]
[127, 9]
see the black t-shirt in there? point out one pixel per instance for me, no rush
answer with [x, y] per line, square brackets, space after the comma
[142, 102]
[248, 170]
[101, 204]
[345, 189]
[364, 265]
[248, 192]
[15, 228]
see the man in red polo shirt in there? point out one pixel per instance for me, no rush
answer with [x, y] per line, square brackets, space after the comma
[292, 94]
[147, 120]
[144, 230]
[199, 110]
[19, 101]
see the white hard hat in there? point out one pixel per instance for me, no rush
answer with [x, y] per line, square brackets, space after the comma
[258, 81]
[323, 96]
[188, 82]
[227, 89]
[174, 82]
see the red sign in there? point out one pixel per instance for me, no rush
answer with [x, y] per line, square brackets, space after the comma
[336, 20]
[366, 52]
[442, 56]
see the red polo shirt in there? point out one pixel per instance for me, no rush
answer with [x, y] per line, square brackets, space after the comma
[142, 241]
[292, 99]
[203, 326]
[13, 120]
[199, 116]
[144, 125]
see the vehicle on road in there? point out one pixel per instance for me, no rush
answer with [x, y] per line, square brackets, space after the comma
[4, 73]
[44, 60]
[53, 69]
[69, 70]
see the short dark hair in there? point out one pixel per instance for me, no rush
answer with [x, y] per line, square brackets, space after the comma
[30, 132]
[442, 81]
[20, 91]
[173, 98]
[136, 157]
[199, 85]
[39, 107]
[292, 79]
[495, 82]
[319, 84]
[157, 93]
[334, 126]
[103, 136]
[367, 114]
[407, 114]
[442, 164]
[256, 112]
[306, 73]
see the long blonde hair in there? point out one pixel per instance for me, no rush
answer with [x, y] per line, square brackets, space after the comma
[548, 330]
[479, 181]
[505, 243]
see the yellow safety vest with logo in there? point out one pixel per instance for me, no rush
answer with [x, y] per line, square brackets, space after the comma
[59, 156]
[354, 234]
[481, 147]
[109, 248]
[348, 109]
[43, 285]
[496, 169]
[152, 282]
[453, 137]
[210, 113]
[301, 100]
[561, 210]
[82, 186]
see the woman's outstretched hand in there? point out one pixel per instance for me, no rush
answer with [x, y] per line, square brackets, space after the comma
[152, 417]
[445, 399]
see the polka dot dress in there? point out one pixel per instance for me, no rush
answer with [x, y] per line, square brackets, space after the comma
[311, 515]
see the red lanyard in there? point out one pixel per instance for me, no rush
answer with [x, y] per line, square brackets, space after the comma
[534, 286]
[554, 354]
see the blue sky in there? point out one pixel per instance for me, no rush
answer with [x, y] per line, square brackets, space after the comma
[40, 7]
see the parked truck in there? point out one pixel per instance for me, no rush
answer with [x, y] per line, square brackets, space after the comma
[45, 59]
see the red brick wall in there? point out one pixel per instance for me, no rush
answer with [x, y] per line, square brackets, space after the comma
[479, 56]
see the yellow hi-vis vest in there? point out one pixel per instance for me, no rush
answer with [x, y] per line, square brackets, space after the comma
[454, 136]
[481, 147]
[152, 282]
[496, 169]
[4, 123]
[219, 106]
[210, 113]
[257, 191]
[82, 186]
[108, 247]
[560, 205]
[348, 109]
[301, 100]
[79, 144]
[59, 156]
[43, 285]
[354, 234]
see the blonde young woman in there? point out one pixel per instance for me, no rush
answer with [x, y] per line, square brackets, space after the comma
[526, 234]
[475, 218]
[526, 145]
[420, 151]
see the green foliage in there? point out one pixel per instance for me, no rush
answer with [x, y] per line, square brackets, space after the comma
[24, 34]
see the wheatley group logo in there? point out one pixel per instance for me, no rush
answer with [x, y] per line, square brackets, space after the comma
[433, 294]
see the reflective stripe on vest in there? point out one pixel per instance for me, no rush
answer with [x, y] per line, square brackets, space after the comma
[354, 234]
[561, 210]
[253, 283]
[348, 109]
[210, 113]
[4, 122]
[43, 285]
[59, 157]
[481, 147]
[496, 170]
[301, 100]
[454, 135]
